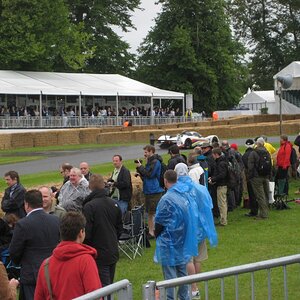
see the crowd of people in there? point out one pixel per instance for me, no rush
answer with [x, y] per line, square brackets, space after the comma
[66, 239]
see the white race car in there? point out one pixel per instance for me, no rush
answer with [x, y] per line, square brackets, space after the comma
[183, 140]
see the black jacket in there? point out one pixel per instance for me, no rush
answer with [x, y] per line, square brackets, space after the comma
[221, 171]
[103, 227]
[245, 158]
[34, 239]
[211, 163]
[124, 185]
[15, 203]
[173, 161]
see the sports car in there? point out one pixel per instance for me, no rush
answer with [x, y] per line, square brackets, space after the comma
[183, 140]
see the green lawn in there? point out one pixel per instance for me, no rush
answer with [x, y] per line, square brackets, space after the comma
[243, 241]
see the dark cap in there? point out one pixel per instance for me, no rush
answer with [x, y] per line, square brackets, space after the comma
[249, 143]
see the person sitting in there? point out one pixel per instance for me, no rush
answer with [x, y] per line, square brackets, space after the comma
[71, 269]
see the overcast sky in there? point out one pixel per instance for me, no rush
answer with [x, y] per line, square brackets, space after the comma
[143, 21]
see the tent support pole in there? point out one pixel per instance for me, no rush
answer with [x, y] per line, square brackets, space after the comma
[80, 117]
[117, 109]
[41, 114]
[151, 111]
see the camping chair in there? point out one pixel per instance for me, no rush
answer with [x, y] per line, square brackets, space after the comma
[280, 196]
[131, 241]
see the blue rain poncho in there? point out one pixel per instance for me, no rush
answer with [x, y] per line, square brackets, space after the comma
[177, 243]
[200, 199]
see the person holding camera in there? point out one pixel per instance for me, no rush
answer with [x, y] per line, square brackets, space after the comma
[120, 184]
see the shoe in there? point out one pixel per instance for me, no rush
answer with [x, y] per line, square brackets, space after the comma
[150, 237]
[196, 295]
[250, 215]
[260, 218]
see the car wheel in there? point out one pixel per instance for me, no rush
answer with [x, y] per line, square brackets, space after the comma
[188, 144]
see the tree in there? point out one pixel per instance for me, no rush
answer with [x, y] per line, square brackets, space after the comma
[37, 35]
[191, 49]
[271, 30]
[110, 52]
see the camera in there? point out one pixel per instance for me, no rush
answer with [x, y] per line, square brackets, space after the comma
[138, 161]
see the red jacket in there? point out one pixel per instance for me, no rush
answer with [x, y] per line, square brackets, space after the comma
[284, 155]
[72, 270]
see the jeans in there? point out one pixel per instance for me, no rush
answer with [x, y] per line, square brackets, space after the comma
[175, 272]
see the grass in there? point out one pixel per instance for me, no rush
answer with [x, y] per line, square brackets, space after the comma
[243, 241]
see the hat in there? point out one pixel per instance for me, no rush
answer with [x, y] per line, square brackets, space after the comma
[181, 169]
[260, 141]
[234, 146]
[249, 143]
[205, 145]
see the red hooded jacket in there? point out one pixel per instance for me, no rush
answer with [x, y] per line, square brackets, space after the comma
[284, 155]
[72, 270]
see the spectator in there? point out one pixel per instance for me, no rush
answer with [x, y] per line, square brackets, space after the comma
[297, 141]
[71, 269]
[85, 170]
[195, 170]
[8, 288]
[74, 191]
[202, 159]
[48, 204]
[173, 230]
[151, 183]
[34, 238]
[65, 169]
[13, 199]
[103, 228]
[176, 158]
[7, 224]
[259, 183]
[120, 182]
[220, 180]
[252, 201]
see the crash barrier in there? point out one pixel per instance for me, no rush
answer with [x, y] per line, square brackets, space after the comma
[85, 121]
[150, 288]
[121, 289]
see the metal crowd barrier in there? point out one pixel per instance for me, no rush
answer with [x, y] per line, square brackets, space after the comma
[99, 121]
[150, 288]
[121, 289]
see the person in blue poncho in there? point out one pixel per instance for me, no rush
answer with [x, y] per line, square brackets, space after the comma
[175, 242]
[201, 211]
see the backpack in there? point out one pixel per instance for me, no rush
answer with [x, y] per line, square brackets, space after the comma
[163, 169]
[234, 172]
[294, 157]
[264, 166]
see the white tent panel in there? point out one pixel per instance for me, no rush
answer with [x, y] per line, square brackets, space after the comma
[258, 97]
[292, 69]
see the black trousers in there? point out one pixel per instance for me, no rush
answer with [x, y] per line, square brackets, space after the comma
[26, 292]
[106, 273]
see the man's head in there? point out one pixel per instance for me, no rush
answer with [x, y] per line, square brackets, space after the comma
[33, 199]
[149, 150]
[47, 197]
[205, 147]
[170, 178]
[11, 178]
[225, 145]
[174, 150]
[260, 142]
[216, 153]
[117, 161]
[249, 143]
[72, 227]
[84, 168]
[192, 159]
[283, 138]
[65, 169]
[96, 182]
[75, 176]
[181, 169]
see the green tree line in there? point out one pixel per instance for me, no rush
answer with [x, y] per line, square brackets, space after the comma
[214, 49]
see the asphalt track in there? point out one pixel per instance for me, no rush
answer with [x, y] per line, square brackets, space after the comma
[92, 156]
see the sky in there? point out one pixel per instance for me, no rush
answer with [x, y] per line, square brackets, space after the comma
[143, 21]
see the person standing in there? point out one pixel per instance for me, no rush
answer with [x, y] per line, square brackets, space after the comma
[72, 270]
[152, 190]
[220, 180]
[176, 157]
[120, 183]
[103, 228]
[175, 241]
[13, 199]
[259, 181]
[34, 239]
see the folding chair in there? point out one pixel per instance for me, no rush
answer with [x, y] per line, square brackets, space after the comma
[132, 239]
[280, 196]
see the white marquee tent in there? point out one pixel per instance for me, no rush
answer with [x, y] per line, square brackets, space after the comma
[294, 70]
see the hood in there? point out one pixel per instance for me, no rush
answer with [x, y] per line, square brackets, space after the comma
[156, 156]
[181, 169]
[67, 250]
[183, 184]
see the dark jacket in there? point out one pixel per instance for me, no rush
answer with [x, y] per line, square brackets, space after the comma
[253, 162]
[211, 163]
[124, 184]
[103, 227]
[151, 175]
[173, 161]
[221, 171]
[245, 158]
[34, 239]
[15, 203]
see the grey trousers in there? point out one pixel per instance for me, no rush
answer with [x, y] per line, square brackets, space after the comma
[260, 186]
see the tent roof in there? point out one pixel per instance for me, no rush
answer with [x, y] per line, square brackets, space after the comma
[51, 83]
[292, 69]
[259, 97]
